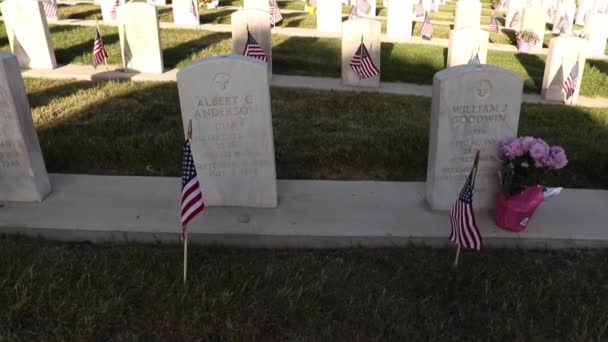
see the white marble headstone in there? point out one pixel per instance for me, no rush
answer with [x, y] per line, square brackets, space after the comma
[329, 16]
[468, 14]
[157, 2]
[28, 34]
[109, 9]
[465, 43]
[583, 10]
[597, 30]
[353, 33]
[474, 107]
[534, 19]
[140, 38]
[228, 100]
[258, 23]
[565, 9]
[263, 5]
[399, 20]
[514, 7]
[186, 12]
[23, 174]
[562, 56]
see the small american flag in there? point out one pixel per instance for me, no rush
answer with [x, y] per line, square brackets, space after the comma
[275, 13]
[569, 85]
[114, 9]
[494, 26]
[462, 218]
[419, 10]
[99, 52]
[50, 9]
[475, 59]
[354, 14]
[192, 9]
[427, 28]
[564, 22]
[192, 197]
[362, 63]
[515, 20]
[253, 49]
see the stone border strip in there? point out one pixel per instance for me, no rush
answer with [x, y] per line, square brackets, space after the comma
[317, 214]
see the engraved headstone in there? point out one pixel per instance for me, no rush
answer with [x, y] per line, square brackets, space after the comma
[257, 23]
[185, 12]
[28, 34]
[597, 30]
[23, 174]
[474, 107]
[329, 16]
[228, 100]
[399, 20]
[109, 10]
[140, 38]
[533, 19]
[468, 14]
[563, 54]
[355, 32]
[465, 43]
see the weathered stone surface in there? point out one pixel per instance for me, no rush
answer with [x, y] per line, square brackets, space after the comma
[474, 107]
[468, 14]
[23, 174]
[465, 43]
[140, 38]
[597, 30]
[399, 20]
[562, 56]
[353, 33]
[28, 34]
[257, 22]
[228, 100]
[186, 12]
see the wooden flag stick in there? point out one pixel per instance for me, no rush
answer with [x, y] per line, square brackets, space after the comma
[185, 233]
[474, 170]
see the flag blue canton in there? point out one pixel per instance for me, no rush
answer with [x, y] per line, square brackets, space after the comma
[466, 195]
[188, 169]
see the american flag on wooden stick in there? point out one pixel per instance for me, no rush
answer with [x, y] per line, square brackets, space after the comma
[192, 9]
[99, 52]
[50, 9]
[515, 20]
[253, 49]
[419, 12]
[462, 216]
[192, 197]
[275, 13]
[494, 26]
[475, 59]
[362, 64]
[427, 28]
[354, 14]
[114, 9]
[569, 85]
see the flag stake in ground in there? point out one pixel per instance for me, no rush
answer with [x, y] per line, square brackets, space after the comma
[185, 232]
[462, 217]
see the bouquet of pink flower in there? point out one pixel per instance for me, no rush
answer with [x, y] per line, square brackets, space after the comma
[526, 161]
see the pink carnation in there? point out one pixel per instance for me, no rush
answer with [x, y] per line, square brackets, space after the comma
[557, 157]
[540, 153]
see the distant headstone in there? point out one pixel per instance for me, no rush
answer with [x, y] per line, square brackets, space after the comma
[263, 5]
[515, 8]
[468, 14]
[228, 100]
[366, 8]
[28, 34]
[329, 16]
[465, 43]
[399, 20]
[140, 38]
[257, 23]
[355, 32]
[597, 30]
[563, 54]
[583, 10]
[23, 176]
[474, 107]
[565, 11]
[186, 12]
[109, 10]
[534, 19]
[157, 2]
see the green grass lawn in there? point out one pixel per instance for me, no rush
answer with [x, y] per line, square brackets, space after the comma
[127, 128]
[55, 291]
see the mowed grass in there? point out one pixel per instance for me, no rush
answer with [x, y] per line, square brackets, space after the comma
[409, 63]
[82, 292]
[127, 128]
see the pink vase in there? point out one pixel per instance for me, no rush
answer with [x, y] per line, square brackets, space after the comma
[523, 46]
[513, 213]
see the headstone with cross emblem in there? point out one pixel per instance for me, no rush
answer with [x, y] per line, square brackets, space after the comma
[474, 107]
[228, 100]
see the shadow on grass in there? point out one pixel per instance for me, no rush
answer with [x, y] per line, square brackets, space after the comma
[218, 17]
[84, 14]
[172, 56]
[43, 96]
[307, 56]
[70, 54]
[601, 65]
[535, 68]
[294, 22]
[511, 34]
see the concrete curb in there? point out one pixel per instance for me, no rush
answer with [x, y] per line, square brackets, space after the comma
[311, 214]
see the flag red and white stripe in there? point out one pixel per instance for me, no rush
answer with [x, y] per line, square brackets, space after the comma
[354, 14]
[114, 9]
[515, 21]
[99, 52]
[569, 85]
[192, 196]
[253, 49]
[427, 28]
[462, 219]
[419, 12]
[362, 64]
[50, 9]
[275, 13]
[494, 26]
